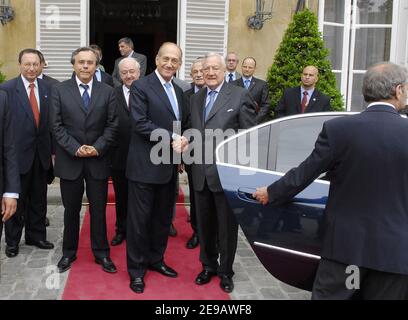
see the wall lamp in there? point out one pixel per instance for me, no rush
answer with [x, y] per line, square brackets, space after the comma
[6, 12]
[263, 12]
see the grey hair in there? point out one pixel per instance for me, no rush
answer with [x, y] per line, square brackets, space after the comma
[82, 49]
[381, 80]
[214, 54]
[197, 60]
[127, 41]
[129, 59]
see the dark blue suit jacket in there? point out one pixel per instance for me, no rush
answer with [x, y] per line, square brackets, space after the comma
[74, 127]
[9, 175]
[28, 138]
[366, 158]
[150, 110]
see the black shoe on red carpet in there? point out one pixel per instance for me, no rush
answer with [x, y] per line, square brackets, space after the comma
[165, 270]
[137, 285]
[107, 264]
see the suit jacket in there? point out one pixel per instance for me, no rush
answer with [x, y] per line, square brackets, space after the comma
[366, 214]
[142, 59]
[9, 174]
[49, 80]
[28, 138]
[150, 110]
[120, 150]
[290, 103]
[233, 109]
[259, 92]
[74, 127]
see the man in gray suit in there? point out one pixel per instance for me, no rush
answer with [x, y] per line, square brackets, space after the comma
[231, 62]
[85, 126]
[126, 50]
[218, 106]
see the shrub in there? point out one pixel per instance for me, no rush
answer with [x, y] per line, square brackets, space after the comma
[302, 45]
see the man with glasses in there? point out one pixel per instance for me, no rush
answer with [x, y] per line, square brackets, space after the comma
[29, 100]
[129, 70]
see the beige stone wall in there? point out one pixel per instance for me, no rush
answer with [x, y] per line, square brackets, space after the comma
[17, 35]
[261, 44]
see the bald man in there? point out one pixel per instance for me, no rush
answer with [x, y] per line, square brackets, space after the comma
[305, 98]
[129, 71]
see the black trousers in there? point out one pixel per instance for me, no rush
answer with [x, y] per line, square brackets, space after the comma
[332, 282]
[72, 192]
[149, 217]
[193, 214]
[217, 231]
[31, 207]
[120, 185]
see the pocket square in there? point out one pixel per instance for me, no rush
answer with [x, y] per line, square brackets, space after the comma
[230, 110]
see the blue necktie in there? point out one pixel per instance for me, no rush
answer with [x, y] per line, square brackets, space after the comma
[209, 105]
[247, 82]
[85, 96]
[173, 102]
[230, 77]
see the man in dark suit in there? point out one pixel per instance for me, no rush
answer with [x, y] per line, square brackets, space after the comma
[365, 156]
[85, 127]
[28, 98]
[50, 81]
[100, 73]
[129, 70]
[197, 75]
[305, 98]
[9, 175]
[156, 106]
[231, 62]
[257, 88]
[219, 106]
[126, 50]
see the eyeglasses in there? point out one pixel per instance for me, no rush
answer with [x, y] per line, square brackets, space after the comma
[125, 72]
[29, 65]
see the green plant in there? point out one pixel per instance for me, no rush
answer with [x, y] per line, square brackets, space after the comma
[302, 45]
[2, 76]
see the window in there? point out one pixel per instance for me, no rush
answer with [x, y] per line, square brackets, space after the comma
[360, 33]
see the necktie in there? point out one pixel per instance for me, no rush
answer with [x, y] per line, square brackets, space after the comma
[85, 96]
[209, 105]
[34, 105]
[247, 82]
[98, 75]
[230, 77]
[127, 97]
[173, 103]
[304, 101]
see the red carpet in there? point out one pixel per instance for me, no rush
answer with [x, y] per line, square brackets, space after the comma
[87, 281]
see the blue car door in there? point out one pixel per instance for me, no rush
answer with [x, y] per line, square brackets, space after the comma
[286, 239]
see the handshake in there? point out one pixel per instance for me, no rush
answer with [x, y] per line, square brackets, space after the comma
[180, 144]
[86, 152]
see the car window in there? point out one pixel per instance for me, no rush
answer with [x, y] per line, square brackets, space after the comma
[248, 150]
[296, 139]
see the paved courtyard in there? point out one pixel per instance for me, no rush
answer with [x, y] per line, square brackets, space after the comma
[32, 274]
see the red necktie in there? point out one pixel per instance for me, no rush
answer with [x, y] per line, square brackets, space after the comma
[304, 101]
[34, 105]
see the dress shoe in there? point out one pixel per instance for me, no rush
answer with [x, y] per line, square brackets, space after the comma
[204, 277]
[173, 231]
[227, 284]
[42, 244]
[47, 222]
[137, 285]
[192, 242]
[107, 264]
[11, 252]
[117, 239]
[163, 269]
[65, 264]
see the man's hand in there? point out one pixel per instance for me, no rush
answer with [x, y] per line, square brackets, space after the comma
[86, 152]
[261, 194]
[180, 144]
[8, 208]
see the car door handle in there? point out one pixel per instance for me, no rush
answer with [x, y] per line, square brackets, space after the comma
[246, 195]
